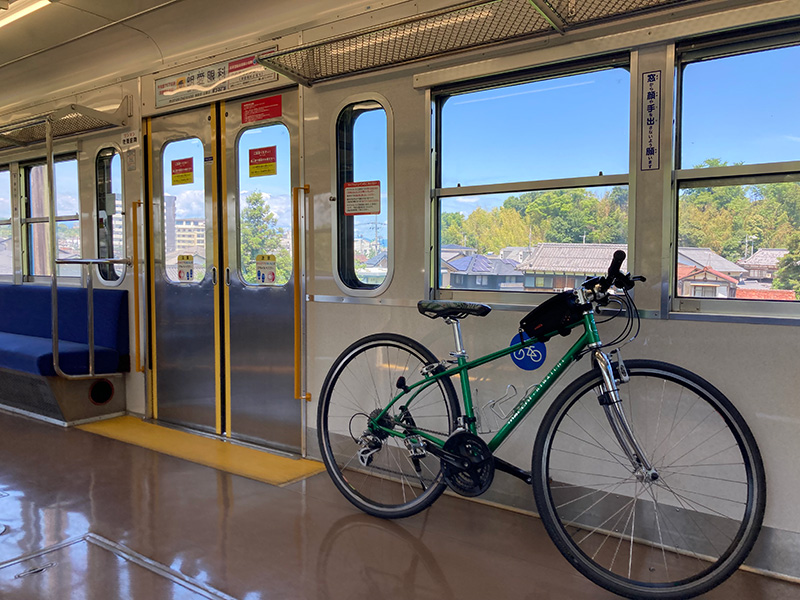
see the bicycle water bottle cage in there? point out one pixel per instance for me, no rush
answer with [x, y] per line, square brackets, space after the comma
[452, 309]
[554, 315]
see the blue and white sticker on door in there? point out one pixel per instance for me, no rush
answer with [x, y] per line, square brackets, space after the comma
[531, 357]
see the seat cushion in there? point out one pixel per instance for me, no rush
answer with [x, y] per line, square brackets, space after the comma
[35, 355]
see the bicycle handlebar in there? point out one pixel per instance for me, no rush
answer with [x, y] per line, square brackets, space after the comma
[613, 271]
[600, 285]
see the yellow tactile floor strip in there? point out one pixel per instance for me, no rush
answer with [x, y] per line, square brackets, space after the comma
[239, 460]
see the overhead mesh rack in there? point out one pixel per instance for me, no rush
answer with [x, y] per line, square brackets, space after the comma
[67, 121]
[465, 26]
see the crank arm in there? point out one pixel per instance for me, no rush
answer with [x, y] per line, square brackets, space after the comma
[514, 470]
[448, 457]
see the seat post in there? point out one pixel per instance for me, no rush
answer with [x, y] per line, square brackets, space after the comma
[460, 351]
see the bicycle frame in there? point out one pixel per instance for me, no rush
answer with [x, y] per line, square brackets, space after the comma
[589, 339]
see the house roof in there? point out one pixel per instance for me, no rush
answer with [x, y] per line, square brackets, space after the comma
[456, 247]
[449, 255]
[578, 259]
[706, 257]
[761, 294]
[689, 272]
[764, 257]
[376, 260]
[445, 266]
[478, 264]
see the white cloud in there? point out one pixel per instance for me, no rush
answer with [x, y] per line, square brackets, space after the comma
[190, 204]
[67, 205]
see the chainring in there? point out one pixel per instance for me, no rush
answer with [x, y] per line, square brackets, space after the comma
[477, 477]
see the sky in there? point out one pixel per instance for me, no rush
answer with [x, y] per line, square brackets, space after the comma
[739, 109]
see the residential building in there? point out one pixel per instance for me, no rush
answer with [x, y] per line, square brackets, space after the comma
[553, 267]
[478, 272]
[762, 265]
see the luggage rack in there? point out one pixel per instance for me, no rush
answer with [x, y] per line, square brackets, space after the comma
[70, 120]
[456, 28]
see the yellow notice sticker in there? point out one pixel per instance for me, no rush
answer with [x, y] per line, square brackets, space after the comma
[263, 161]
[182, 171]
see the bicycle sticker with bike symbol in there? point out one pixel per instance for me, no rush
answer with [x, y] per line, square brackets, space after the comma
[530, 358]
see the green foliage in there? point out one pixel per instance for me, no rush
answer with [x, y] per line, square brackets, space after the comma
[573, 215]
[787, 277]
[736, 220]
[259, 234]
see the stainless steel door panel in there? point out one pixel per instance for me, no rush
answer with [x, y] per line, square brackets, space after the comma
[262, 408]
[185, 349]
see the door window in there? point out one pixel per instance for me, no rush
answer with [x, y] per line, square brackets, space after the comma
[264, 205]
[184, 211]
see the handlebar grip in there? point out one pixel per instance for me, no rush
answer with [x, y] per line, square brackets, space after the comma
[613, 270]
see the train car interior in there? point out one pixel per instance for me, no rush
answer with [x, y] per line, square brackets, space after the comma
[277, 276]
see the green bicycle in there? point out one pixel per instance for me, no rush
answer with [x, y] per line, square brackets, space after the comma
[645, 476]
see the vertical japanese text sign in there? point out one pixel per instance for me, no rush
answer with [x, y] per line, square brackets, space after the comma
[651, 120]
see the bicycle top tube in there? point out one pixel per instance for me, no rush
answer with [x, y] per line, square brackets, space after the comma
[589, 338]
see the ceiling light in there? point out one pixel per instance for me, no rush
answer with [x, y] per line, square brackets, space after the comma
[21, 9]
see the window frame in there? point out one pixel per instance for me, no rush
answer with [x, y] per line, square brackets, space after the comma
[343, 236]
[27, 222]
[691, 52]
[7, 168]
[439, 97]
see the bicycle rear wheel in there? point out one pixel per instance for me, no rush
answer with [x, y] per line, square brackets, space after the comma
[677, 536]
[375, 471]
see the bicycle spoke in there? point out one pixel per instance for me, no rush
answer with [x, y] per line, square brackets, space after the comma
[669, 530]
[362, 384]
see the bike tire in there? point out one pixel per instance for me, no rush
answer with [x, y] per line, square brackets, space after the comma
[363, 379]
[673, 538]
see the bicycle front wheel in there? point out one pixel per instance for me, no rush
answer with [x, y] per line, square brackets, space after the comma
[382, 474]
[676, 536]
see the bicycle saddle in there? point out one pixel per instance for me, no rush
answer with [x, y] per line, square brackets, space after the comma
[455, 310]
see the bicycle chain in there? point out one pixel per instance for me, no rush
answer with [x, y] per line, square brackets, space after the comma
[400, 473]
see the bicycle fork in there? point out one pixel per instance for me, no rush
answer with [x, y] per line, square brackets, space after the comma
[612, 406]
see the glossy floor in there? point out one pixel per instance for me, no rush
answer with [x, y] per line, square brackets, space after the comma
[87, 517]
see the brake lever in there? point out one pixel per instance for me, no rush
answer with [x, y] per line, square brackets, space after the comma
[626, 282]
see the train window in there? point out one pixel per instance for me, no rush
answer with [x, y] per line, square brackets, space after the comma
[35, 223]
[185, 230]
[532, 183]
[738, 188]
[110, 213]
[6, 241]
[265, 204]
[362, 132]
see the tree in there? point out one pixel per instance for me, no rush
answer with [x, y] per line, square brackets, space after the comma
[787, 277]
[259, 234]
[452, 228]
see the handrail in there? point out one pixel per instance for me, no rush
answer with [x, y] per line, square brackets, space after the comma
[118, 119]
[85, 263]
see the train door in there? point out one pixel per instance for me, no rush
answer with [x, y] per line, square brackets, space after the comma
[261, 149]
[223, 282]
